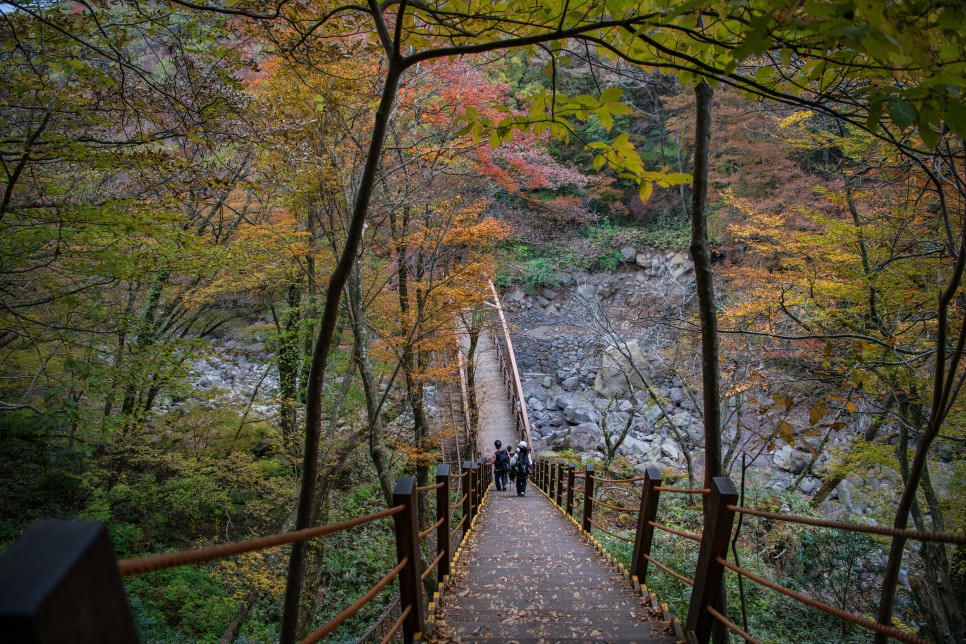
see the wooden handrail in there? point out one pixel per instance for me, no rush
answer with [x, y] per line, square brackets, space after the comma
[512, 368]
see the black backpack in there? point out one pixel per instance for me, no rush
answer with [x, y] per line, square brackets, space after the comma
[523, 463]
[502, 460]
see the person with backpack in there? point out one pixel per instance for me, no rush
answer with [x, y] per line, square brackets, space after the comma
[522, 465]
[501, 463]
[509, 451]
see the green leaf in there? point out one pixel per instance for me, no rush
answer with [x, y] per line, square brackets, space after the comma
[611, 95]
[902, 113]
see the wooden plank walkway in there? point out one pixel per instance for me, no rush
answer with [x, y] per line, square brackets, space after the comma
[526, 575]
[496, 417]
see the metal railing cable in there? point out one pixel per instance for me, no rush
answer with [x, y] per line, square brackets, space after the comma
[606, 531]
[831, 610]
[337, 621]
[675, 574]
[631, 480]
[731, 625]
[425, 533]
[855, 527]
[397, 625]
[683, 490]
[429, 569]
[686, 535]
[152, 563]
[457, 527]
[616, 508]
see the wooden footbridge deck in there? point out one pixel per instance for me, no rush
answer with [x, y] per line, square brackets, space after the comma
[527, 568]
[527, 574]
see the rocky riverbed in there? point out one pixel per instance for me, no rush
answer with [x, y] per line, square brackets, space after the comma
[586, 347]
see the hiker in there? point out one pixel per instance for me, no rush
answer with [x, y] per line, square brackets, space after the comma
[510, 453]
[522, 466]
[501, 463]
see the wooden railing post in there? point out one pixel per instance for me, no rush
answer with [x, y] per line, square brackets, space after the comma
[571, 479]
[709, 574]
[481, 483]
[552, 480]
[61, 584]
[407, 547]
[469, 487]
[442, 512]
[560, 480]
[588, 498]
[645, 531]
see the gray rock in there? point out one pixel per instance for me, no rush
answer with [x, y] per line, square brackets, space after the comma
[642, 260]
[550, 294]
[586, 291]
[583, 437]
[616, 369]
[676, 395]
[625, 405]
[628, 254]
[570, 383]
[641, 468]
[535, 405]
[790, 459]
[515, 295]
[547, 382]
[542, 301]
[579, 415]
[634, 445]
[810, 485]
[670, 450]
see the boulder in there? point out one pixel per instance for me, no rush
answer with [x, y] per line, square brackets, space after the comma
[679, 265]
[628, 254]
[583, 437]
[676, 395]
[615, 369]
[515, 295]
[550, 294]
[642, 260]
[635, 446]
[670, 450]
[578, 415]
[570, 383]
[810, 485]
[547, 382]
[789, 459]
[542, 301]
[641, 468]
[586, 291]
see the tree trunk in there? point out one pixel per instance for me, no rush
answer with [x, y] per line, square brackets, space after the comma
[707, 312]
[370, 386]
[320, 357]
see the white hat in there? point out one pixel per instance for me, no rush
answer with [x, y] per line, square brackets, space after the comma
[522, 444]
